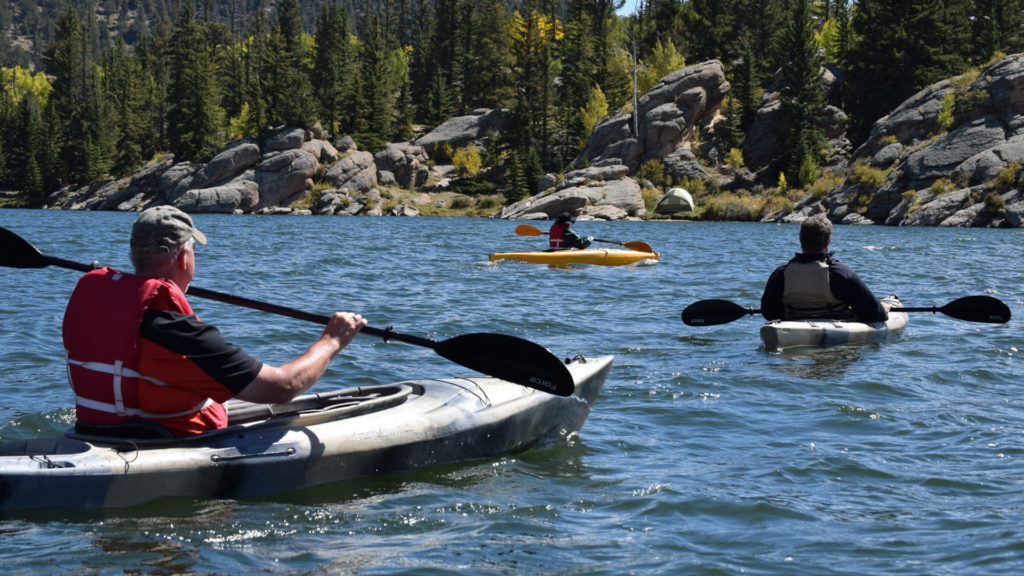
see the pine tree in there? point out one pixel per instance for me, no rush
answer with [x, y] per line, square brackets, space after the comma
[154, 56]
[996, 26]
[709, 28]
[534, 35]
[290, 93]
[900, 49]
[332, 70]
[486, 62]
[801, 96]
[26, 168]
[257, 71]
[578, 77]
[124, 85]
[516, 184]
[745, 88]
[194, 116]
[375, 93]
[63, 60]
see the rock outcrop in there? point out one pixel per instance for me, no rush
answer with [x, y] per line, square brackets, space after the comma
[667, 118]
[951, 155]
[601, 191]
[461, 131]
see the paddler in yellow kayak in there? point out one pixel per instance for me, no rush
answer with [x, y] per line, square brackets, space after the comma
[563, 237]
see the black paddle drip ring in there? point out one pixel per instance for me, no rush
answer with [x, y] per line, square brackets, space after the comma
[387, 333]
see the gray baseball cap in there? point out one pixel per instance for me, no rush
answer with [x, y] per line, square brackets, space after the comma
[163, 228]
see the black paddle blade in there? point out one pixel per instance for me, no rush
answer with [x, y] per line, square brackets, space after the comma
[15, 252]
[713, 312]
[509, 358]
[978, 309]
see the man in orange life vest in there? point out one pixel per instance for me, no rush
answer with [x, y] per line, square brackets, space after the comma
[815, 285]
[562, 236]
[136, 351]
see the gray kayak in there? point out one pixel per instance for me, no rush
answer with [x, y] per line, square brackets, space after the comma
[313, 440]
[780, 334]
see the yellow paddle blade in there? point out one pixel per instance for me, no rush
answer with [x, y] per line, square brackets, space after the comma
[527, 230]
[639, 246]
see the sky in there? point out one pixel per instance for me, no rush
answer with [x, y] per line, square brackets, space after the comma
[628, 8]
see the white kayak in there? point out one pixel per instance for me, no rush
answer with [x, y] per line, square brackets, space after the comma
[779, 334]
[313, 440]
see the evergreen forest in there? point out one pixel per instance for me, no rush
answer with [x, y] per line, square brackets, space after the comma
[95, 88]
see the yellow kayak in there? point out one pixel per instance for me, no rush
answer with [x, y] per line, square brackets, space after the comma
[598, 256]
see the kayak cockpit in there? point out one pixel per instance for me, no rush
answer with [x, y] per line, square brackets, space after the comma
[244, 416]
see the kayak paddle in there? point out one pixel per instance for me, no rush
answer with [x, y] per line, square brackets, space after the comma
[527, 230]
[505, 357]
[969, 308]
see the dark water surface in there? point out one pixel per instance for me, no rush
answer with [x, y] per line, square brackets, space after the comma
[704, 455]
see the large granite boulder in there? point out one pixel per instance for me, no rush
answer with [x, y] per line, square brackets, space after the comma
[406, 162]
[239, 195]
[283, 177]
[591, 191]
[985, 138]
[462, 131]
[354, 171]
[667, 117]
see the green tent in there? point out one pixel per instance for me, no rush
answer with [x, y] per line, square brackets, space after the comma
[675, 200]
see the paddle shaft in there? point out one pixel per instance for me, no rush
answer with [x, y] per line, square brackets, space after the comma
[969, 308]
[527, 230]
[505, 357]
[385, 333]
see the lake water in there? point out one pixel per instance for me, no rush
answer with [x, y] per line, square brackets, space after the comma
[704, 455]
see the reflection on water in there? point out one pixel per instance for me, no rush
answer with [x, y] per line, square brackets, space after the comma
[817, 363]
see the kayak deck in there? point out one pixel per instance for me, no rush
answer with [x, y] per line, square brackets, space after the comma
[311, 441]
[596, 256]
[780, 334]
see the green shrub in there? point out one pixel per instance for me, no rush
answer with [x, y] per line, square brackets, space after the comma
[945, 118]
[942, 186]
[467, 161]
[995, 204]
[444, 152]
[1006, 178]
[733, 207]
[808, 170]
[861, 200]
[489, 202]
[734, 158]
[651, 197]
[821, 186]
[655, 172]
[473, 187]
[461, 202]
[866, 178]
[695, 186]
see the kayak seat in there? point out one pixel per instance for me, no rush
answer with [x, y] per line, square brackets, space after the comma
[142, 429]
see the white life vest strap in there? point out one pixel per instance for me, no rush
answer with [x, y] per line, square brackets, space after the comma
[111, 408]
[118, 371]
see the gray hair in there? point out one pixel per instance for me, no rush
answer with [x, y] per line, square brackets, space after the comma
[155, 261]
[815, 234]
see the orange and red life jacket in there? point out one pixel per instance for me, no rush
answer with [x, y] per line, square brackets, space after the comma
[101, 336]
[556, 233]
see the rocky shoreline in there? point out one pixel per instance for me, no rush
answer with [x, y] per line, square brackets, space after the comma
[951, 155]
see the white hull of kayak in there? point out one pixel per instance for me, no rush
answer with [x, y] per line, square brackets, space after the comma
[777, 335]
[314, 440]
